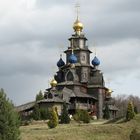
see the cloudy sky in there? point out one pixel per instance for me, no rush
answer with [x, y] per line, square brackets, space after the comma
[34, 32]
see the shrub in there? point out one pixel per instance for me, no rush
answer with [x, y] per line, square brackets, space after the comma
[106, 112]
[130, 111]
[44, 114]
[136, 109]
[64, 115]
[134, 135]
[53, 119]
[9, 119]
[82, 116]
[36, 112]
[25, 123]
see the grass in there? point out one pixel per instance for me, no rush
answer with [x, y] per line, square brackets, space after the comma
[74, 131]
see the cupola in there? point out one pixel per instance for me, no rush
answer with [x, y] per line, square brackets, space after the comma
[72, 58]
[60, 63]
[53, 83]
[95, 61]
[78, 27]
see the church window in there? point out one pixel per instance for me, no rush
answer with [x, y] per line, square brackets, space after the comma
[50, 95]
[70, 76]
[83, 57]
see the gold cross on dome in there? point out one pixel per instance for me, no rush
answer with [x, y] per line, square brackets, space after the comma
[77, 6]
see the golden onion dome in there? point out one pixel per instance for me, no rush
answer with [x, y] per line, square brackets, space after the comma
[77, 26]
[53, 83]
[110, 91]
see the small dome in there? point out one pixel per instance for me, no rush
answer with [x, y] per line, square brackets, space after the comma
[110, 90]
[60, 63]
[95, 61]
[53, 83]
[77, 26]
[72, 59]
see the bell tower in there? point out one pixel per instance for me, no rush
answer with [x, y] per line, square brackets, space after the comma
[80, 50]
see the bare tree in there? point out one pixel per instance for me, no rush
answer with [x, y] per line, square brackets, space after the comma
[121, 102]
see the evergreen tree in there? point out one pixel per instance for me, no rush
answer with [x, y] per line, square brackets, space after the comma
[9, 119]
[82, 116]
[56, 111]
[53, 119]
[65, 116]
[44, 114]
[106, 112]
[135, 110]
[85, 116]
[39, 96]
[130, 111]
[36, 112]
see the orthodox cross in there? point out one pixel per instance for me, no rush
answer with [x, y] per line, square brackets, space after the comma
[77, 6]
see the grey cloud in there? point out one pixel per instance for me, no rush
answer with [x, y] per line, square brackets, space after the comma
[122, 56]
[30, 59]
[23, 88]
[46, 4]
[30, 37]
[126, 6]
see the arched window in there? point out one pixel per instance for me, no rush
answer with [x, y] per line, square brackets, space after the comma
[50, 95]
[69, 76]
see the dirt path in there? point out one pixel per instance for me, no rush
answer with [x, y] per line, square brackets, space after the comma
[99, 122]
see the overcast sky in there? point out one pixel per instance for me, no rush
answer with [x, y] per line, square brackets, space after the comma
[33, 33]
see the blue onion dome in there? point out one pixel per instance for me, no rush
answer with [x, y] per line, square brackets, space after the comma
[72, 59]
[96, 61]
[60, 63]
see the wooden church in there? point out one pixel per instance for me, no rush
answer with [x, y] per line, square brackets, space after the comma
[77, 82]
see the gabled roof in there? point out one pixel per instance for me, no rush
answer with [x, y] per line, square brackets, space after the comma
[51, 100]
[112, 108]
[26, 106]
[31, 105]
[83, 95]
[68, 93]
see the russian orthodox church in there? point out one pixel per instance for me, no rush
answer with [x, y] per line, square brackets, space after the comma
[76, 82]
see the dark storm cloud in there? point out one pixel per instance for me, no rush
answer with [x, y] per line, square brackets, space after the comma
[110, 22]
[22, 88]
[29, 59]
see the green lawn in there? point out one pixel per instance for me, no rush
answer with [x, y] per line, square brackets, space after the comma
[74, 131]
